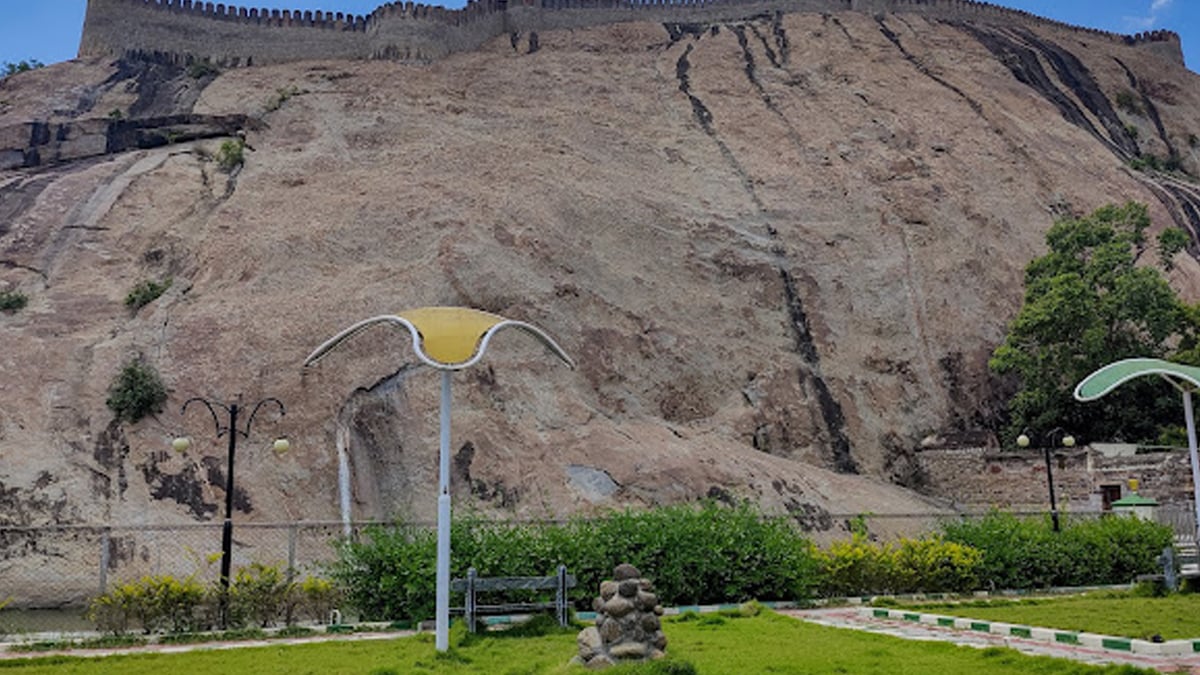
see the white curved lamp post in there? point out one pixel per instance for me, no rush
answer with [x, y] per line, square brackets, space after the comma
[1186, 379]
[448, 339]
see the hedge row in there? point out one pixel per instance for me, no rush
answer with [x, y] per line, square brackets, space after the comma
[695, 555]
[1028, 553]
[714, 554]
[259, 595]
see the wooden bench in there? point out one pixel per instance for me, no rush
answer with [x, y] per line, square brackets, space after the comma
[1176, 565]
[474, 584]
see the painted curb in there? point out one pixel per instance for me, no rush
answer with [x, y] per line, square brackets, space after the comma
[1049, 635]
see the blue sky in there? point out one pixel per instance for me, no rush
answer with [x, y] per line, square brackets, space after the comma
[48, 30]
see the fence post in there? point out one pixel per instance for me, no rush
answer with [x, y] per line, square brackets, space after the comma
[469, 602]
[105, 541]
[560, 596]
[291, 566]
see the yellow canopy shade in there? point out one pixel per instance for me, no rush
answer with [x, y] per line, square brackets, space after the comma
[447, 338]
[450, 334]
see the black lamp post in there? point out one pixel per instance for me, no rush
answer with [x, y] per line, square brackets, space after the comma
[181, 444]
[1051, 437]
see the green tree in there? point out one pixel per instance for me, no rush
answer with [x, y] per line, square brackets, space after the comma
[1087, 303]
[136, 392]
[19, 67]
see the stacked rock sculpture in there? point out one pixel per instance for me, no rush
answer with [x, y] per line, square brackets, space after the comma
[627, 622]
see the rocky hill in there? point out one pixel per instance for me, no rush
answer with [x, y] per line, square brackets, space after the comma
[781, 249]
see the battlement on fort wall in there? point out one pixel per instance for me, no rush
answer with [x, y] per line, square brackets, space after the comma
[182, 31]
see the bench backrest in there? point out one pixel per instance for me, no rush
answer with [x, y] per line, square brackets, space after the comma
[476, 583]
[512, 583]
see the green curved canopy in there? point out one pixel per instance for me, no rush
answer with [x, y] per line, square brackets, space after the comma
[1099, 383]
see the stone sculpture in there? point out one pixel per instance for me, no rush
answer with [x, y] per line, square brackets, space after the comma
[627, 622]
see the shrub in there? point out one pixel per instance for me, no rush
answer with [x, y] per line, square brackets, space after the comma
[693, 555]
[12, 301]
[389, 573]
[1027, 553]
[1149, 162]
[157, 603]
[136, 392]
[23, 66]
[931, 565]
[231, 155]
[281, 96]
[202, 69]
[146, 292]
[318, 598]
[261, 594]
[1128, 101]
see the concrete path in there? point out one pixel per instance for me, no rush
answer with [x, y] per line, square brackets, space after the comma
[204, 646]
[853, 618]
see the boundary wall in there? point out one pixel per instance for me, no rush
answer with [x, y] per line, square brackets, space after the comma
[182, 31]
[1017, 479]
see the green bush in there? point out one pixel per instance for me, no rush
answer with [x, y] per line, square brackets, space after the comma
[281, 96]
[146, 292]
[11, 301]
[318, 598]
[261, 594]
[231, 155]
[930, 565]
[136, 392]
[258, 595]
[1148, 162]
[1128, 101]
[693, 555]
[203, 68]
[155, 603]
[1028, 553]
[22, 66]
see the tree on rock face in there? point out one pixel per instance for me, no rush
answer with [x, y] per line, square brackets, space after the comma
[1088, 303]
[20, 67]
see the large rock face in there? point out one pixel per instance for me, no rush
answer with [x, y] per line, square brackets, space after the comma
[781, 251]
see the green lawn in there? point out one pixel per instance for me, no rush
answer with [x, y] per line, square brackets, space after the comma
[769, 643]
[1107, 612]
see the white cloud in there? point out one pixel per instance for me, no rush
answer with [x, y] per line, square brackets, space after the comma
[1141, 23]
[1137, 24]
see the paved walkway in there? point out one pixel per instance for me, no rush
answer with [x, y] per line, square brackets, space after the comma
[852, 618]
[204, 646]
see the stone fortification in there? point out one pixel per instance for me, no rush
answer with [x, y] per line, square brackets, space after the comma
[185, 30]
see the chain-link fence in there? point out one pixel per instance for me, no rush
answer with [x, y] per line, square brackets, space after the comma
[65, 565]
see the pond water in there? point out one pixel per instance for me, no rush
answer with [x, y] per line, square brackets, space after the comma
[62, 620]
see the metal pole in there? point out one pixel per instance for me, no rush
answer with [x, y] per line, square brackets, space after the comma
[343, 444]
[1050, 483]
[442, 639]
[227, 528]
[291, 568]
[1190, 417]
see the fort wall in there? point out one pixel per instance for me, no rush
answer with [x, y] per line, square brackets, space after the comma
[185, 30]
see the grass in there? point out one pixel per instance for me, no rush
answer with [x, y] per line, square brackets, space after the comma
[1116, 613]
[768, 643]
